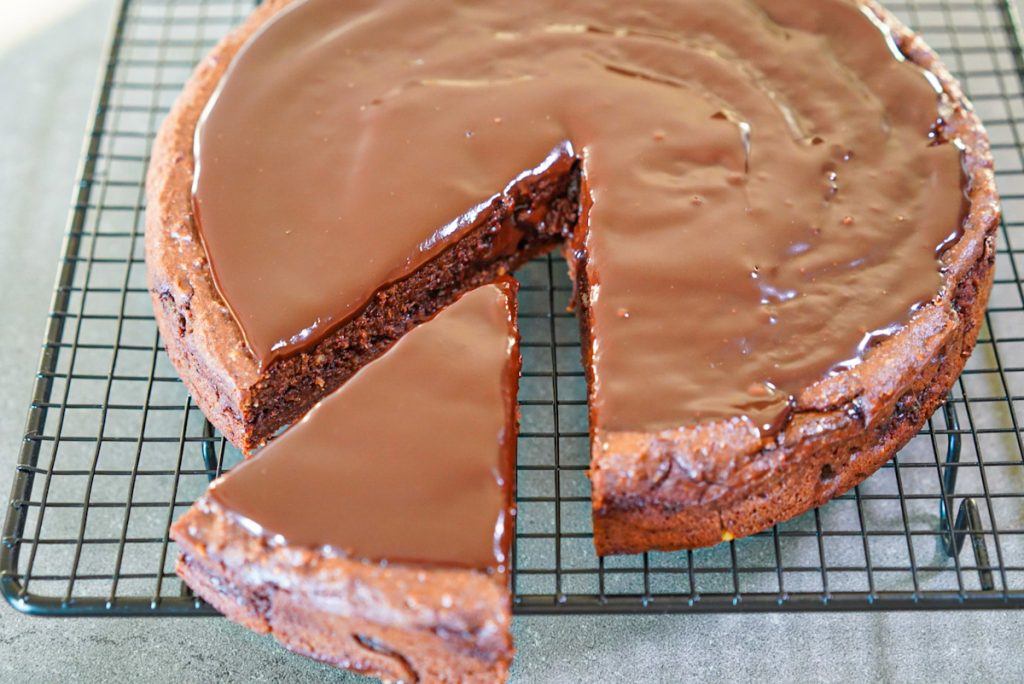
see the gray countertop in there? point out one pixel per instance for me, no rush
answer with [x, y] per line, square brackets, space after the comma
[46, 84]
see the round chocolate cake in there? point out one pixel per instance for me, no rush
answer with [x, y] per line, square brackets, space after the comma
[779, 217]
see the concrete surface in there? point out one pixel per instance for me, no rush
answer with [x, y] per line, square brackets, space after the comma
[47, 71]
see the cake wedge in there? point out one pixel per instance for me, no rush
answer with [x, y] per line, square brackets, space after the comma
[374, 534]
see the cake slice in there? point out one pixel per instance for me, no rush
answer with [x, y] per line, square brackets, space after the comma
[374, 534]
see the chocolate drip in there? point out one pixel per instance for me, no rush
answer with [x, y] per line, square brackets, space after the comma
[411, 460]
[764, 188]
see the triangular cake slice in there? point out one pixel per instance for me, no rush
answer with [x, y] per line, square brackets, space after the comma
[374, 534]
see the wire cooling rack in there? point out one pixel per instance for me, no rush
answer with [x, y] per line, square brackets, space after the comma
[115, 449]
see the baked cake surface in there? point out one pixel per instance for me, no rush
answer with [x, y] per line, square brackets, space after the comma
[779, 217]
[375, 533]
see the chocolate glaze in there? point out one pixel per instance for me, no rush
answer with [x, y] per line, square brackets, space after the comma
[765, 185]
[411, 460]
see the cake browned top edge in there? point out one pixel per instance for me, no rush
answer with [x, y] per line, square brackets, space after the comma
[470, 608]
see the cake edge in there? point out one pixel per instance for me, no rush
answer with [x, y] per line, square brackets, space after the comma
[393, 621]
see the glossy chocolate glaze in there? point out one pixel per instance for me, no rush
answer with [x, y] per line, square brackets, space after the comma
[765, 186]
[411, 460]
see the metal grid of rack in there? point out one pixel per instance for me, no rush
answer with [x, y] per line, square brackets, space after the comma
[115, 450]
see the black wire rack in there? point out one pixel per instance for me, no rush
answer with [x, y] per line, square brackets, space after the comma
[115, 449]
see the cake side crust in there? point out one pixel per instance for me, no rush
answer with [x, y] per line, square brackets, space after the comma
[396, 622]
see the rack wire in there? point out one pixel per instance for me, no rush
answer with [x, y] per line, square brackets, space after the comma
[115, 449]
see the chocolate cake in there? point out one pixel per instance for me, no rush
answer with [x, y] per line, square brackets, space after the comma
[779, 216]
[374, 534]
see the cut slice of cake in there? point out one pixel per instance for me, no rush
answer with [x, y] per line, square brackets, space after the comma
[374, 534]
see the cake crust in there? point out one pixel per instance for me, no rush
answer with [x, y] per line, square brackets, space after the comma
[439, 625]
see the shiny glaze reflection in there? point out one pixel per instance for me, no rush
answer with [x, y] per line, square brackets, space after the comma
[765, 185]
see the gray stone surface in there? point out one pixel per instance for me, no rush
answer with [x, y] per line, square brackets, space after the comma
[46, 85]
